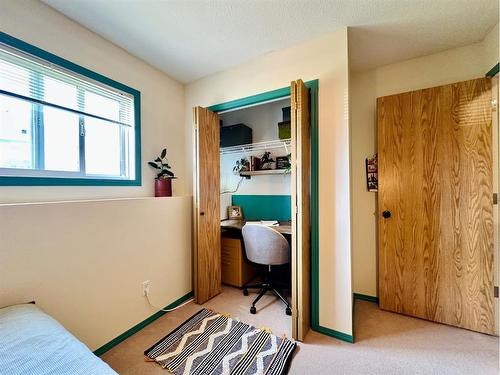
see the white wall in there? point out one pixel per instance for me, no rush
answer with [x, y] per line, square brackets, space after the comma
[263, 119]
[84, 262]
[454, 65]
[325, 59]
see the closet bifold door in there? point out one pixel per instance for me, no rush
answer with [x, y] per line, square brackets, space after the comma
[301, 180]
[435, 204]
[206, 207]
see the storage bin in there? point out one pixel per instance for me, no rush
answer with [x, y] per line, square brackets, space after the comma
[286, 114]
[284, 130]
[235, 135]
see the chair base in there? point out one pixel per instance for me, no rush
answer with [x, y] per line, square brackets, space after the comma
[264, 288]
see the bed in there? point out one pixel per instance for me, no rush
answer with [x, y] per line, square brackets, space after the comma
[31, 342]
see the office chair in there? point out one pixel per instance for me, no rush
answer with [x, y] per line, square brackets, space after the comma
[264, 245]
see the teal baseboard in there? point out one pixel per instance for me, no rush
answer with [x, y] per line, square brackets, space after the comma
[103, 349]
[364, 297]
[332, 333]
[493, 71]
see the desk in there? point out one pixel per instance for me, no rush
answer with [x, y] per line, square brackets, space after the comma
[284, 227]
[235, 267]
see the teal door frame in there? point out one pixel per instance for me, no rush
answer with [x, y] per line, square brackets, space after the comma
[284, 92]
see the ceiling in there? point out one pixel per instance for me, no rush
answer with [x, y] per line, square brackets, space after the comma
[190, 39]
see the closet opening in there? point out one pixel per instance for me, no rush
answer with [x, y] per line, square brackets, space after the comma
[256, 208]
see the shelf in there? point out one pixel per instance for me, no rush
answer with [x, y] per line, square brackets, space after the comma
[251, 148]
[264, 172]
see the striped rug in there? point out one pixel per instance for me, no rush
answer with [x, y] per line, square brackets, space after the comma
[211, 343]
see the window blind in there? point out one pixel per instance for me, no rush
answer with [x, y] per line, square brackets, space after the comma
[30, 78]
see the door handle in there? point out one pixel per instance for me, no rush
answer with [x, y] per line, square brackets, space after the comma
[202, 213]
[386, 214]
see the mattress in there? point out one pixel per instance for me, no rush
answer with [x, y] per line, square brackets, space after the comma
[31, 342]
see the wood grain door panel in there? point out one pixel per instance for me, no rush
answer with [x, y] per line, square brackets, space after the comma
[207, 246]
[435, 177]
[301, 180]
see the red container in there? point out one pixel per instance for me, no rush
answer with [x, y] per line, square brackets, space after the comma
[163, 187]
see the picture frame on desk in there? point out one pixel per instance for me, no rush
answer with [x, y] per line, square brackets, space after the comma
[235, 213]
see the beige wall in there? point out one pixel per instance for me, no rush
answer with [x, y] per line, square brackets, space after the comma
[325, 59]
[162, 98]
[454, 65]
[84, 262]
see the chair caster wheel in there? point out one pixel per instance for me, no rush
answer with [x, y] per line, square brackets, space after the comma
[288, 311]
[253, 310]
[245, 292]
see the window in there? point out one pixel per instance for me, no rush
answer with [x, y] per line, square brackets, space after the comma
[61, 124]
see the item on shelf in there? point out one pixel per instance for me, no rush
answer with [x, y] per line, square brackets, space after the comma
[265, 162]
[286, 114]
[234, 135]
[284, 127]
[163, 180]
[254, 163]
[283, 162]
[284, 130]
[242, 165]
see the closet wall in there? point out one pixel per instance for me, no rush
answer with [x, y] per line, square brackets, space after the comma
[263, 120]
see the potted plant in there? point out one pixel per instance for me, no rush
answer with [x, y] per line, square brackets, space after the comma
[163, 180]
[242, 165]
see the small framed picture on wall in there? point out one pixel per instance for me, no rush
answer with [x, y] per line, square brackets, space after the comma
[372, 173]
[234, 213]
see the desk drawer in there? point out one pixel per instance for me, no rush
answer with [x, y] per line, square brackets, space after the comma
[236, 269]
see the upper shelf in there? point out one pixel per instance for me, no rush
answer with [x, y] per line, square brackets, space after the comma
[251, 148]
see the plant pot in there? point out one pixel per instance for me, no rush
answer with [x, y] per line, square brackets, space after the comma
[163, 187]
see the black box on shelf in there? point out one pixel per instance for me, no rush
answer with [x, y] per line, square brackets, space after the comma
[286, 114]
[235, 135]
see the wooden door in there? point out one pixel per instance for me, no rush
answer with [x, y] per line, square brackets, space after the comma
[301, 177]
[435, 182]
[207, 241]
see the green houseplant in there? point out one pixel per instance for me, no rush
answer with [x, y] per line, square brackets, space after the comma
[164, 177]
[242, 165]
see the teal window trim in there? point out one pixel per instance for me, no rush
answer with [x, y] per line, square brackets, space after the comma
[279, 94]
[65, 181]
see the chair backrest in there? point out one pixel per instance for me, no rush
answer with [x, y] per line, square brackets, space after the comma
[264, 245]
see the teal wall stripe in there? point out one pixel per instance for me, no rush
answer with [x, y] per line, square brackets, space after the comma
[493, 71]
[364, 297]
[264, 207]
[103, 349]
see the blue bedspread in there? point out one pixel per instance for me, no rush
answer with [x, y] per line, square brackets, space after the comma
[31, 342]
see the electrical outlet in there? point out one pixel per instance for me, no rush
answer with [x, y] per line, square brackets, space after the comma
[146, 287]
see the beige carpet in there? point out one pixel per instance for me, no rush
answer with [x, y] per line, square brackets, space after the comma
[386, 343]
